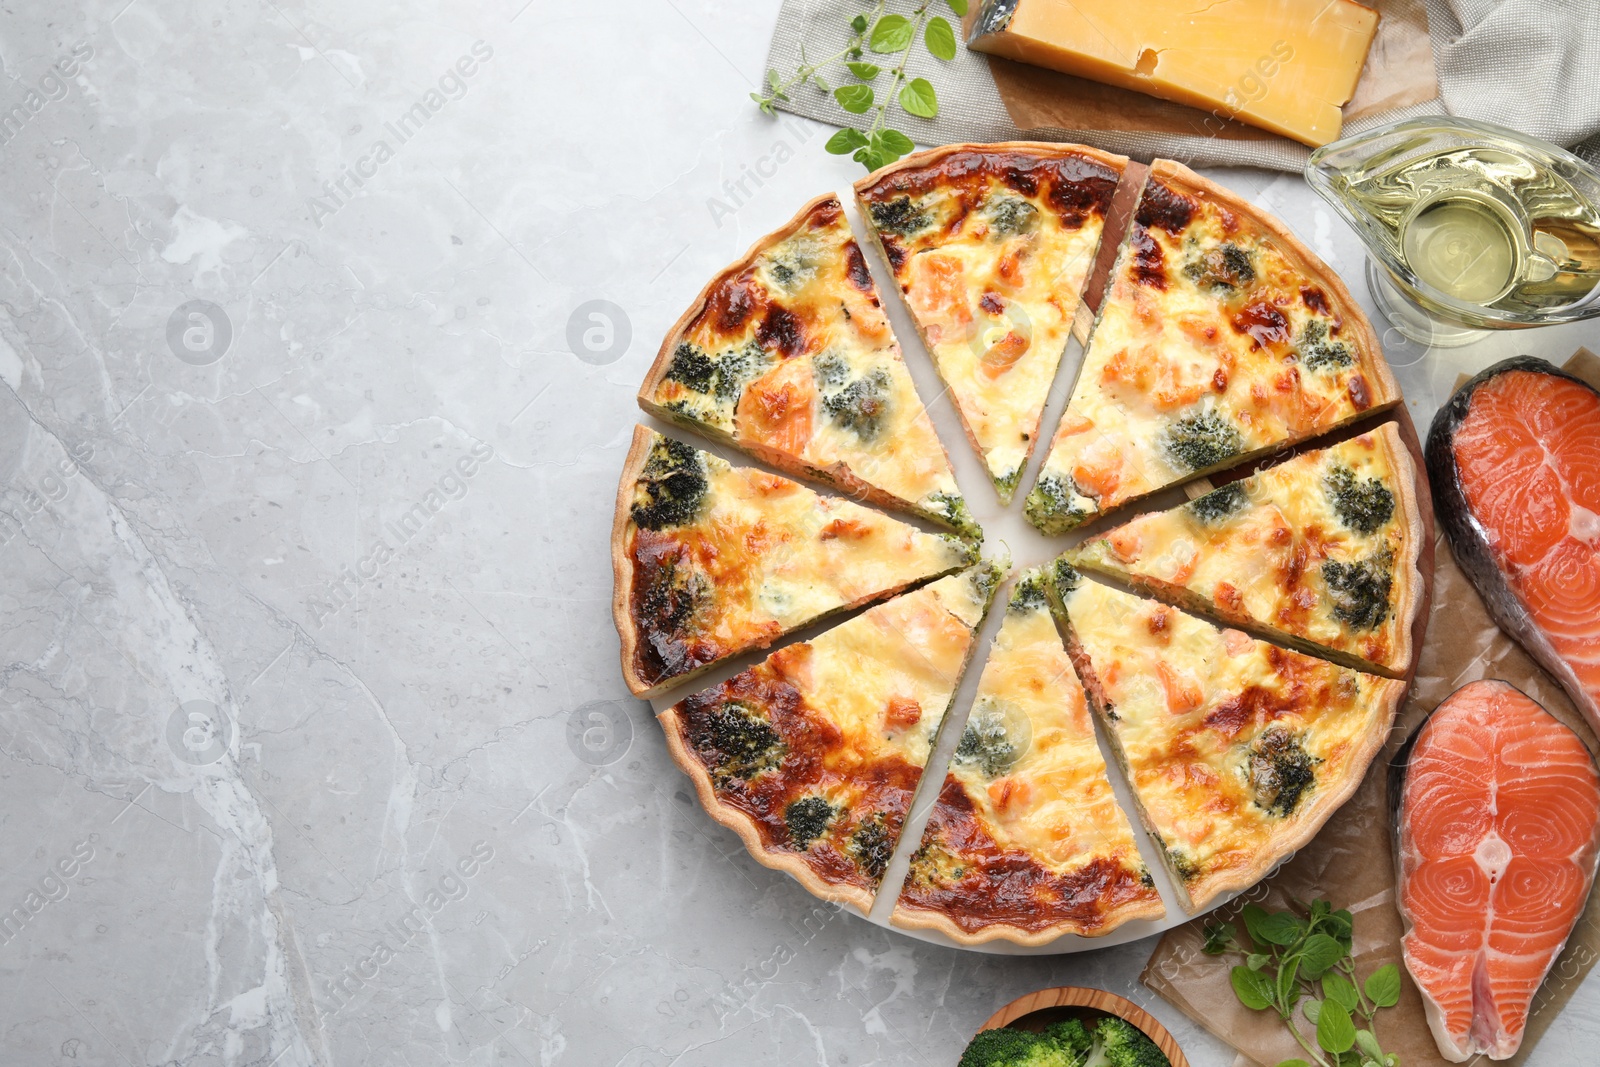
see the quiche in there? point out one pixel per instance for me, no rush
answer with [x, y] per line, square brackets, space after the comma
[813, 755]
[1318, 552]
[1221, 338]
[712, 560]
[1237, 751]
[1026, 840]
[990, 245]
[788, 355]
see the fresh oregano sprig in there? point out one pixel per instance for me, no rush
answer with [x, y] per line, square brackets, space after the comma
[888, 35]
[1303, 962]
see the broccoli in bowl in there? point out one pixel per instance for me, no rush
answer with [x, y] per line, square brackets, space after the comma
[1111, 1042]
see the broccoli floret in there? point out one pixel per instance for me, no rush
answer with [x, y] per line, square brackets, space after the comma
[1360, 590]
[1317, 351]
[1017, 1048]
[1064, 577]
[1219, 503]
[1364, 506]
[1006, 484]
[953, 509]
[830, 371]
[807, 818]
[692, 367]
[739, 743]
[985, 743]
[1010, 215]
[1073, 1036]
[1197, 442]
[898, 216]
[1125, 1045]
[1029, 595]
[736, 368]
[985, 578]
[723, 376]
[860, 406]
[1053, 505]
[1224, 267]
[872, 845]
[671, 486]
[1182, 864]
[673, 593]
[1281, 771]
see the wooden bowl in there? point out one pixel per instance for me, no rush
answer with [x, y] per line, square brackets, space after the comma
[1038, 1010]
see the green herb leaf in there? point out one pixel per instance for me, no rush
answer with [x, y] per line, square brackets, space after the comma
[1256, 960]
[820, 83]
[859, 24]
[854, 98]
[1293, 1063]
[1318, 954]
[1253, 989]
[940, 38]
[1338, 988]
[958, 6]
[1383, 986]
[846, 141]
[896, 142]
[1219, 938]
[891, 34]
[1311, 1009]
[1335, 1032]
[1277, 928]
[1369, 1045]
[868, 158]
[1341, 927]
[918, 98]
[865, 71]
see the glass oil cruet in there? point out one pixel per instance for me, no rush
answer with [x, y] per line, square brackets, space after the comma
[1470, 227]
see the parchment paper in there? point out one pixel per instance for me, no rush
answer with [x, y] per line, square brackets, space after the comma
[1399, 73]
[1351, 862]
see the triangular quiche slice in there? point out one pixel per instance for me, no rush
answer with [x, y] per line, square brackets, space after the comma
[1221, 338]
[788, 355]
[991, 245]
[1237, 751]
[813, 755]
[1319, 552]
[1026, 841]
[711, 560]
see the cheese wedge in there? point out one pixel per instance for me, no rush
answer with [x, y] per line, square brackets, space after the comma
[1284, 65]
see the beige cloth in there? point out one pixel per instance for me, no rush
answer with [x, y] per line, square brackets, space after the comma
[1533, 65]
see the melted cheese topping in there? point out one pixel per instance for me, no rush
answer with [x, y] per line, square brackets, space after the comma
[761, 557]
[1211, 346]
[1256, 553]
[1227, 741]
[1034, 806]
[991, 259]
[855, 713]
[792, 359]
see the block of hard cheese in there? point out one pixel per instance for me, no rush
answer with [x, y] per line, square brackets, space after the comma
[1284, 65]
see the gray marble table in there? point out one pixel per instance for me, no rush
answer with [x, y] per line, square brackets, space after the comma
[313, 748]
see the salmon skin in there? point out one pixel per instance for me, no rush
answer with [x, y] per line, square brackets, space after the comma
[1514, 459]
[1498, 834]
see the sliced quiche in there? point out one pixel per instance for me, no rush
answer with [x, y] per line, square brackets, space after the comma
[1026, 840]
[1318, 552]
[991, 245]
[1221, 338]
[813, 755]
[712, 560]
[1237, 751]
[788, 355]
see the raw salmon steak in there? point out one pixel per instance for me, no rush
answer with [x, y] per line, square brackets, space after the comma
[1514, 458]
[1499, 825]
